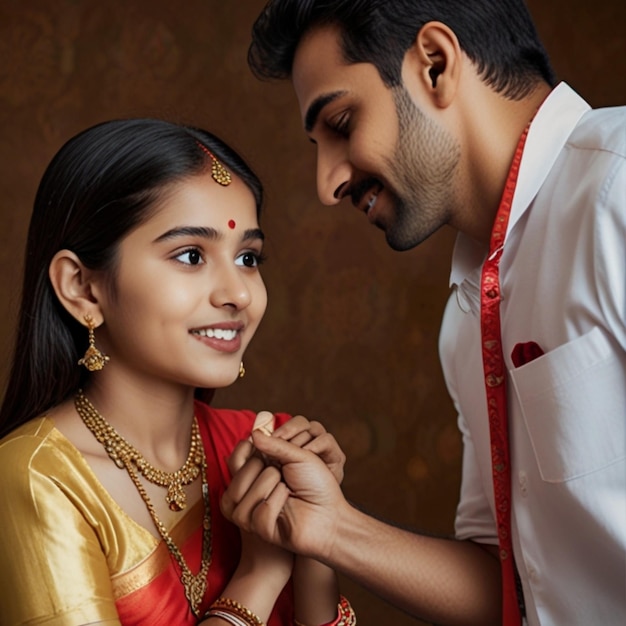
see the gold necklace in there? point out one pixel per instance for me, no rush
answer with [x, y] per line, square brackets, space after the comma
[123, 454]
[194, 585]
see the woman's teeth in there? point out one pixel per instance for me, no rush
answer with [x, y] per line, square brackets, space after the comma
[217, 333]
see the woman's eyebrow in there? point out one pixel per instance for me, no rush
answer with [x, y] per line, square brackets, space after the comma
[189, 231]
[253, 233]
[206, 232]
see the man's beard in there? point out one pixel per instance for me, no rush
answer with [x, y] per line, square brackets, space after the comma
[423, 169]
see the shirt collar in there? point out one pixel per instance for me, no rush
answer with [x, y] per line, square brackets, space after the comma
[552, 125]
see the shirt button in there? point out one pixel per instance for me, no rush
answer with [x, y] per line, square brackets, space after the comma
[532, 575]
[523, 483]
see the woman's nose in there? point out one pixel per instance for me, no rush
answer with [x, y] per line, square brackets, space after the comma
[231, 289]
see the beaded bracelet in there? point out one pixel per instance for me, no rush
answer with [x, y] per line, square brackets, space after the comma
[345, 615]
[239, 615]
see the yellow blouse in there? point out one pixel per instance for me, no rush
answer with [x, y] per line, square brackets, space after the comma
[62, 530]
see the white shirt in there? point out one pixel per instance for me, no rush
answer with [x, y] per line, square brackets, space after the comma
[563, 280]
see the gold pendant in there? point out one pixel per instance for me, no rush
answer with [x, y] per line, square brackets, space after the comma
[176, 497]
[195, 586]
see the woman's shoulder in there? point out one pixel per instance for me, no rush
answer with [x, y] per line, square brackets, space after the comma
[38, 447]
[34, 449]
[32, 436]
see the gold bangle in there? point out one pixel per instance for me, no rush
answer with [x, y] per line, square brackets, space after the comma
[237, 609]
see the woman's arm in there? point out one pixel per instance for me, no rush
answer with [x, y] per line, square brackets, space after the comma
[316, 594]
[441, 580]
[263, 569]
[316, 589]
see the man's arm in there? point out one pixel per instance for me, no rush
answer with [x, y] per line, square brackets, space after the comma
[440, 580]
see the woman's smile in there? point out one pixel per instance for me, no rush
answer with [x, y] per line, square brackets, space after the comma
[223, 337]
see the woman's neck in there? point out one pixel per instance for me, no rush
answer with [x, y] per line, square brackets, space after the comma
[155, 417]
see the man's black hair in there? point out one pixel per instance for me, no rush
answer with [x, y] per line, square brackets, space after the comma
[498, 36]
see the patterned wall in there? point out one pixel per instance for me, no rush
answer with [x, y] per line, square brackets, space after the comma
[350, 335]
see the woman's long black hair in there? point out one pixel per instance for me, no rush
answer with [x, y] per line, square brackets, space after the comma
[102, 183]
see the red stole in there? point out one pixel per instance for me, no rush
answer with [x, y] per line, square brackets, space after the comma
[495, 386]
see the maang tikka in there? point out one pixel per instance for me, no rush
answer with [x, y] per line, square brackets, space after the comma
[218, 172]
[93, 360]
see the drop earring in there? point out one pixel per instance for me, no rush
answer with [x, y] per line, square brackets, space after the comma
[242, 370]
[93, 360]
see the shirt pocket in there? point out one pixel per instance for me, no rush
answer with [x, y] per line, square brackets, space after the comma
[573, 401]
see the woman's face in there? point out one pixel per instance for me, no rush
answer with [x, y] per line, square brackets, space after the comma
[188, 293]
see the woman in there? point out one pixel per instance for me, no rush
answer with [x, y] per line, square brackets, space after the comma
[141, 292]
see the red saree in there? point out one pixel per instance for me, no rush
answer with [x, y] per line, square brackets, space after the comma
[70, 555]
[152, 591]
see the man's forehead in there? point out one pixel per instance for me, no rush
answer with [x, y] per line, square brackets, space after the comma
[324, 37]
[317, 66]
[318, 51]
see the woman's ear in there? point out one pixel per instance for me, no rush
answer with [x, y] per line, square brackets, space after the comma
[434, 63]
[73, 284]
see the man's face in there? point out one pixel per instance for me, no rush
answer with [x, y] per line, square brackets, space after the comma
[374, 144]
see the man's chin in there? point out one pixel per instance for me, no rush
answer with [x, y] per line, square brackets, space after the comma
[394, 241]
[400, 245]
[402, 239]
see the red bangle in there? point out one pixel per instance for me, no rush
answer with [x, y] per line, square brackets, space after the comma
[345, 615]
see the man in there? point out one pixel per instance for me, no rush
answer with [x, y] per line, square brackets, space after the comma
[433, 112]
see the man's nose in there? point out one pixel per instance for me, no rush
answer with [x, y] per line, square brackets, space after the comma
[333, 176]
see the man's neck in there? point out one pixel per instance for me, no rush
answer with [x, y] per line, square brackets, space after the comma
[492, 128]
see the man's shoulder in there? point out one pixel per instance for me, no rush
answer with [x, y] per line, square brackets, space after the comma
[601, 129]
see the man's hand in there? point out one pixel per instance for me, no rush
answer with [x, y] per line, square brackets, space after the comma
[300, 432]
[312, 436]
[295, 508]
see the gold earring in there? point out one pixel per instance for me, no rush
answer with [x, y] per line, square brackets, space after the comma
[93, 360]
[242, 370]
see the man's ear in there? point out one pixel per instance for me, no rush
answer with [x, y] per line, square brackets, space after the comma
[433, 63]
[73, 284]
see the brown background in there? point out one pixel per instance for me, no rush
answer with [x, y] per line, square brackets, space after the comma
[350, 336]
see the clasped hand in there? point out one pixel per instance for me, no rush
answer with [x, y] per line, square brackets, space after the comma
[285, 487]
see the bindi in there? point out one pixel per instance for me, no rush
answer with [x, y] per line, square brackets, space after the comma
[231, 224]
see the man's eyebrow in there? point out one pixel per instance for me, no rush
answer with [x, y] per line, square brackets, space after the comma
[310, 119]
[207, 233]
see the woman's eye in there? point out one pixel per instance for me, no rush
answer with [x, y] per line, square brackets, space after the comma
[249, 259]
[190, 257]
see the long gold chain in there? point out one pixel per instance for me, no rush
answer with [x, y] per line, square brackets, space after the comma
[123, 454]
[195, 585]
